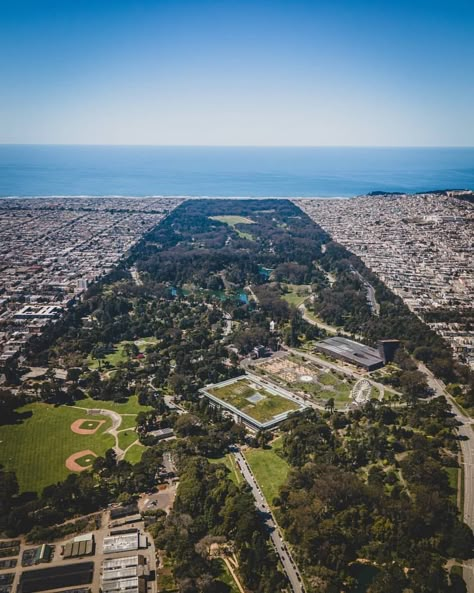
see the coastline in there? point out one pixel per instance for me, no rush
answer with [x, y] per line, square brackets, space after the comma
[183, 197]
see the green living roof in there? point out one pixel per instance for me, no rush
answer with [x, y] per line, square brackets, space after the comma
[261, 404]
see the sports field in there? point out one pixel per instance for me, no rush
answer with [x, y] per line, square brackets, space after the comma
[38, 446]
[253, 399]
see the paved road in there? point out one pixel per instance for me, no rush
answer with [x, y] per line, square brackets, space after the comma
[114, 429]
[249, 288]
[287, 561]
[371, 300]
[467, 448]
[329, 328]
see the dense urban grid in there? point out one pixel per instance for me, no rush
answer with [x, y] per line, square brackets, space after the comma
[52, 249]
[421, 246]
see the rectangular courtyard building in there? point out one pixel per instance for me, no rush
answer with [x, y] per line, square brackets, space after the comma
[350, 351]
[253, 401]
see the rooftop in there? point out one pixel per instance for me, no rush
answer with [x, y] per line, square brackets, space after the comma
[260, 404]
[359, 353]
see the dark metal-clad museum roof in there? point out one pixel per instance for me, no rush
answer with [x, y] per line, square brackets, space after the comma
[351, 351]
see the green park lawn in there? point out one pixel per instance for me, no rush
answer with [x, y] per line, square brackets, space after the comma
[453, 482]
[229, 461]
[131, 406]
[296, 294]
[269, 469]
[233, 221]
[111, 360]
[128, 421]
[328, 378]
[119, 355]
[37, 447]
[237, 394]
[126, 438]
[134, 454]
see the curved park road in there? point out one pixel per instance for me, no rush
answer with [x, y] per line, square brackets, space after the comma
[466, 431]
[328, 328]
[283, 553]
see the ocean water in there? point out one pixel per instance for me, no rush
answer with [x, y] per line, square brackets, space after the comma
[31, 170]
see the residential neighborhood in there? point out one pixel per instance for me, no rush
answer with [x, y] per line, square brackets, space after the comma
[420, 246]
[53, 249]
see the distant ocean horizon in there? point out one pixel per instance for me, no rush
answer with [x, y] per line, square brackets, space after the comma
[325, 172]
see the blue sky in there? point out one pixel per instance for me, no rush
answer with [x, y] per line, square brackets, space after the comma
[237, 72]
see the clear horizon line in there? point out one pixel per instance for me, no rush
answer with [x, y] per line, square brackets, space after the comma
[378, 146]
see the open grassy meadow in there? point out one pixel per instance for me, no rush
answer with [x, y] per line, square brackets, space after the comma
[296, 294]
[269, 469]
[233, 221]
[119, 354]
[126, 438]
[131, 406]
[37, 447]
[134, 454]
